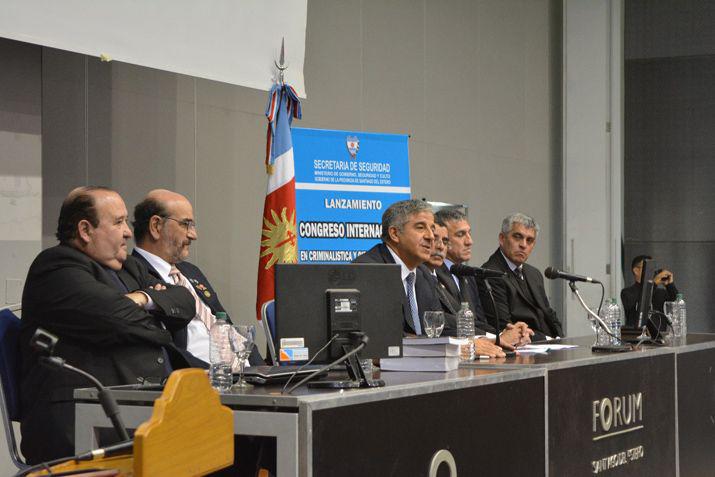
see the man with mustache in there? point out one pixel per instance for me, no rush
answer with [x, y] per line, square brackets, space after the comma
[407, 234]
[521, 296]
[450, 306]
[510, 337]
[164, 228]
[112, 318]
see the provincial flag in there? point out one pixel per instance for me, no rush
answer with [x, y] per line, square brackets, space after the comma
[279, 242]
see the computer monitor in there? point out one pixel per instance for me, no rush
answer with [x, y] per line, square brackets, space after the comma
[646, 296]
[316, 301]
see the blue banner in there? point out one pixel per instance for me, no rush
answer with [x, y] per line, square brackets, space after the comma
[344, 182]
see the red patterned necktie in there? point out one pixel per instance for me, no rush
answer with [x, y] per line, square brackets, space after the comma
[203, 312]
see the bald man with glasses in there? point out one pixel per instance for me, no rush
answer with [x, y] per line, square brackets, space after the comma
[164, 228]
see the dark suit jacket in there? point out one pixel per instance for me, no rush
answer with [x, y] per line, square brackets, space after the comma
[425, 294]
[208, 295]
[513, 305]
[631, 295]
[100, 330]
[455, 298]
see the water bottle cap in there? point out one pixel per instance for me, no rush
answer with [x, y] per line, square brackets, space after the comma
[679, 296]
[221, 316]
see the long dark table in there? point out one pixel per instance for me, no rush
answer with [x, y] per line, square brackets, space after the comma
[645, 412]
[571, 412]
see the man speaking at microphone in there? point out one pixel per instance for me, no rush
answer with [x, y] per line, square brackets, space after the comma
[521, 295]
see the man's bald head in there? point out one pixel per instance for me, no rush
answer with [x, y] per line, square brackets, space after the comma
[164, 225]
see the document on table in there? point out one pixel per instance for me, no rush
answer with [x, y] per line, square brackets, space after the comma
[542, 348]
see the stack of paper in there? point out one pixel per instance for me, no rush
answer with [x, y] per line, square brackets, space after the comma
[426, 354]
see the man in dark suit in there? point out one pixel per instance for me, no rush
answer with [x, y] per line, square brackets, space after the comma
[164, 228]
[664, 290]
[521, 296]
[466, 289]
[112, 318]
[407, 241]
[450, 305]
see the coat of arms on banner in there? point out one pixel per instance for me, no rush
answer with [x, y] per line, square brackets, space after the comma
[353, 144]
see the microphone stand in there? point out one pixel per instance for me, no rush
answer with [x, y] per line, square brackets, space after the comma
[107, 401]
[358, 380]
[610, 348]
[488, 286]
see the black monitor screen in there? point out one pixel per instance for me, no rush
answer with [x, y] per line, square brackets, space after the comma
[314, 302]
[644, 300]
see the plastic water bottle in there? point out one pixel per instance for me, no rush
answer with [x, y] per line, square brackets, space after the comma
[614, 321]
[465, 330]
[680, 325]
[602, 338]
[221, 354]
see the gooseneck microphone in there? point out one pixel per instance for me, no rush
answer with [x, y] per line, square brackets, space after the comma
[43, 343]
[467, 271]
[553, 273]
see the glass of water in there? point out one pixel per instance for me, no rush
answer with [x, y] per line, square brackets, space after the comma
[669, 310]
[242, 342]
[434, 323]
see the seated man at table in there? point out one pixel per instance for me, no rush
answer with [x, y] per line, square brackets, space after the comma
[112, 318]
[510, 337]
[164, 229]
[407, 241]
[521, 295]
[664, 290]
[467, 289]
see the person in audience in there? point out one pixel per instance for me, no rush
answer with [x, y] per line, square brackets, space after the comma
[164, 228]
[467, 289]
[112, 318]
[664, 290]
[407, 235]
[521, 295]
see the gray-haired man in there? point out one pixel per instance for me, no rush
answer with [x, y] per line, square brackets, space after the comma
[407, 235]
[521, 296]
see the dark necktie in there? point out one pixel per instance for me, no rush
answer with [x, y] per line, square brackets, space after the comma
[118, 283]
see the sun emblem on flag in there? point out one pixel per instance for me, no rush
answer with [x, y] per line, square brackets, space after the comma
[279, 238]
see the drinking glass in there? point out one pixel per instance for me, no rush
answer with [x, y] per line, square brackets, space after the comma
[434, 323]
[669, 310]
[601, 338]
[242, 341]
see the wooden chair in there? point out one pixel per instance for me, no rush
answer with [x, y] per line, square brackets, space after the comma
[189, 434]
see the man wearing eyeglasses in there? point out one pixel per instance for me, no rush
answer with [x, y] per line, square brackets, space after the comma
[164, 228]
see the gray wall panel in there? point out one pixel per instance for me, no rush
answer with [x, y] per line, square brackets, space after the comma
[64, 144]
[666, 28]
[670, 116]
[669, 168]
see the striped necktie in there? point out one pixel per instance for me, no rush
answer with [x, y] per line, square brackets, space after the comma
[203, 312]
[412, 302]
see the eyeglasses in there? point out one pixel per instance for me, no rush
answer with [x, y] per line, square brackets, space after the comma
[188, 224]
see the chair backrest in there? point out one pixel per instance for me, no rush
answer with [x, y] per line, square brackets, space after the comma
[9, 361]
[9, 372]
[269, 328]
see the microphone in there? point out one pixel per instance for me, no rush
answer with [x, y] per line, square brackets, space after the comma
[466, 271]
[43, 343]
[554, 273]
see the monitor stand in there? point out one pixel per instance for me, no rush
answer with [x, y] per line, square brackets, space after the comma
[357, 377]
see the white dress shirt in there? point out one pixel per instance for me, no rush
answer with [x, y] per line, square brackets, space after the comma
[197, 340]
